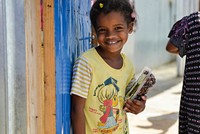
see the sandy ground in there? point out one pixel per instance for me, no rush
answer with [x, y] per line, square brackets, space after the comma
[161, 113]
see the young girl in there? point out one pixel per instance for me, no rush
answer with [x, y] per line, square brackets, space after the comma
[101, 75]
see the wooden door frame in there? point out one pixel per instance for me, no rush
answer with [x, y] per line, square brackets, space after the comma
[40, 68]
[49, 67]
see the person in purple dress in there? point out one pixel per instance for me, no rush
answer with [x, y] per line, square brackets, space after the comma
[184, 39]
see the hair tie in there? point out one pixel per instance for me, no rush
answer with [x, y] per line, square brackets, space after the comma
[101, 5]
[133, 15]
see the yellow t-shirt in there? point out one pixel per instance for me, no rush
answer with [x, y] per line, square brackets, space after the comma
[104, 90]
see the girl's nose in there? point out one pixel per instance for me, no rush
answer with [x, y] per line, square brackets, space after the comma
[110, 34]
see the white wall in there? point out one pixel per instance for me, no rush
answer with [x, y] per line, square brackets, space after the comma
[3, 115]
[146, 47]
[13, 68]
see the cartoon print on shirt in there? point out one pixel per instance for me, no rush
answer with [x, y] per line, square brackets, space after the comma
[107, 94]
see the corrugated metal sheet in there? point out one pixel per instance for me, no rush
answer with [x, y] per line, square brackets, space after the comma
[3, 76]
[72, 37]
[12, 68]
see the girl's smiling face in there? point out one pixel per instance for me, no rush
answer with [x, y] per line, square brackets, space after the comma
[112, 31]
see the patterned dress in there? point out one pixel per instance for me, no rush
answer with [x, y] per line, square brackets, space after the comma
[185, 34]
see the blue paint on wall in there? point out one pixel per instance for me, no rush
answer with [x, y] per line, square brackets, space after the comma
[72, 37]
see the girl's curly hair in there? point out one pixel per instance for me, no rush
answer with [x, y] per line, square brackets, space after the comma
[125, 7]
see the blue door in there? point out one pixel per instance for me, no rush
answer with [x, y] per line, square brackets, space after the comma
[72, 37]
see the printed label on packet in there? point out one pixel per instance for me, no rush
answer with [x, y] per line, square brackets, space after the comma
[141, 86]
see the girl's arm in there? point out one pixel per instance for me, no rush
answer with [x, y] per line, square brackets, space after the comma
[77, 114]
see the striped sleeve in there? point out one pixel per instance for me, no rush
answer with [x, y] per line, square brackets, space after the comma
[81, 78]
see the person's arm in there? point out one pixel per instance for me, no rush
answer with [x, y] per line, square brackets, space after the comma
[77, 114]
[135, 106]
[171, 48]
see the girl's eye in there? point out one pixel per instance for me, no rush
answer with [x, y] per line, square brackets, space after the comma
[100, 31]
[119, 28]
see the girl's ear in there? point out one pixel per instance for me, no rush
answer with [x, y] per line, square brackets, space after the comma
[130, 27]
[94, 37]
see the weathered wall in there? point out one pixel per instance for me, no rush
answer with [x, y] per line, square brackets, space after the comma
[146, 47]
[3, 77]
[12, 63]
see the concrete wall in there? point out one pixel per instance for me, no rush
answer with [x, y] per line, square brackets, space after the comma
[3, 115]
[12, 68]
[146, 47]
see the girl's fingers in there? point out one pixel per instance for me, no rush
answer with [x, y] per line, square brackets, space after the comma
[135, 106]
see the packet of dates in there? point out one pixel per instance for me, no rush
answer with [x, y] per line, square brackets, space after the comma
[142, 84]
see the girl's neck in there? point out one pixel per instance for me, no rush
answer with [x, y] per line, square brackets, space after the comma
[114, 60]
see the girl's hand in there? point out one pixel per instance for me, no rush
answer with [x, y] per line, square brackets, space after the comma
[135, 106]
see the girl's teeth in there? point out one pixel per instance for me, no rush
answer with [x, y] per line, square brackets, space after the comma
[112, 42]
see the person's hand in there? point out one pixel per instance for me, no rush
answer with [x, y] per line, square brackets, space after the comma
[135, 106]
